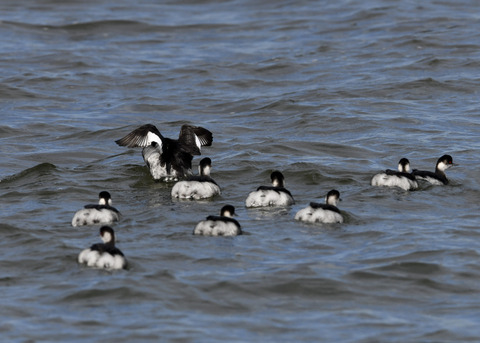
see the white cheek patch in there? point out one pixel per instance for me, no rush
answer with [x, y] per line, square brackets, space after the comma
[332, 200]
[442, 166]
[433, 181]
[101, 201]
[206, 170]
[107, 237]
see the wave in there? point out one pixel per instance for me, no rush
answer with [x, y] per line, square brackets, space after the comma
[29, 175]
[102, 27]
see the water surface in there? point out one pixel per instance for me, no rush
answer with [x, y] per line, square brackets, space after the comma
[328, 93]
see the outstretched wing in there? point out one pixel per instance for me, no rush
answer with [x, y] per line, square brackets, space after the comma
[141, 137]
[192, 138]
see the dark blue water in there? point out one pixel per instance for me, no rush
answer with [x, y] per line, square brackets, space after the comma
[328, 93]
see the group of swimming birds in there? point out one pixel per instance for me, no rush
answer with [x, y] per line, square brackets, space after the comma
[170, 160]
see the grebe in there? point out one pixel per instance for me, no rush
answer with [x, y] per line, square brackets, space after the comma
[168, 159]
[322, 213]
[438, 177]
[223, 225]
[104, 255]
[97, 214]
[392, 178]
[275, 195]
[196, 187]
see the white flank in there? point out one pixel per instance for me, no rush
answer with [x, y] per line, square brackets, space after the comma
[108, 261]
[92, 216]
[404, 183]
[195, 190]
[216, 228]
[265, 198]
[431, 180]
[318, 215]
[104, 261]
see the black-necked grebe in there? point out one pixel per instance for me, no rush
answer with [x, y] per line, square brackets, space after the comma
[322, 213]
[104, 255]
[275, 195]
[197, 187]
[223, 225]
[97, 214]
[438, 177]
[392, 178]
[168, 159]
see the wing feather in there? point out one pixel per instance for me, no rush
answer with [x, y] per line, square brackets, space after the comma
[192, 138]
[141, 137]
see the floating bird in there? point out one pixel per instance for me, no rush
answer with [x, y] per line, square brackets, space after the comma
[100, 214]
[275, 195]
[392, 178]
[168, 159]
[322, 213]
[438, 177]
[223, 225]
[104, 255]
[196, 187]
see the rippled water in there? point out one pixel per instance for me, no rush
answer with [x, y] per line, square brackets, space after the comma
[329, 93]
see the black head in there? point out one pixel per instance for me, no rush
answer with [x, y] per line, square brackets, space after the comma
[447, 159]
[104, 195]
[277, 179]
[227, 211]
[444, 163]
[206, 161]
[205, 165]
[333, 197]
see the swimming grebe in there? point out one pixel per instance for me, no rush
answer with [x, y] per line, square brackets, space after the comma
[97, 214]
[168, 159]
[438, 177]
[322, 213]
[392, 178]
[196, 187]
[274, 195]
[223, 225]
[104, 255]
